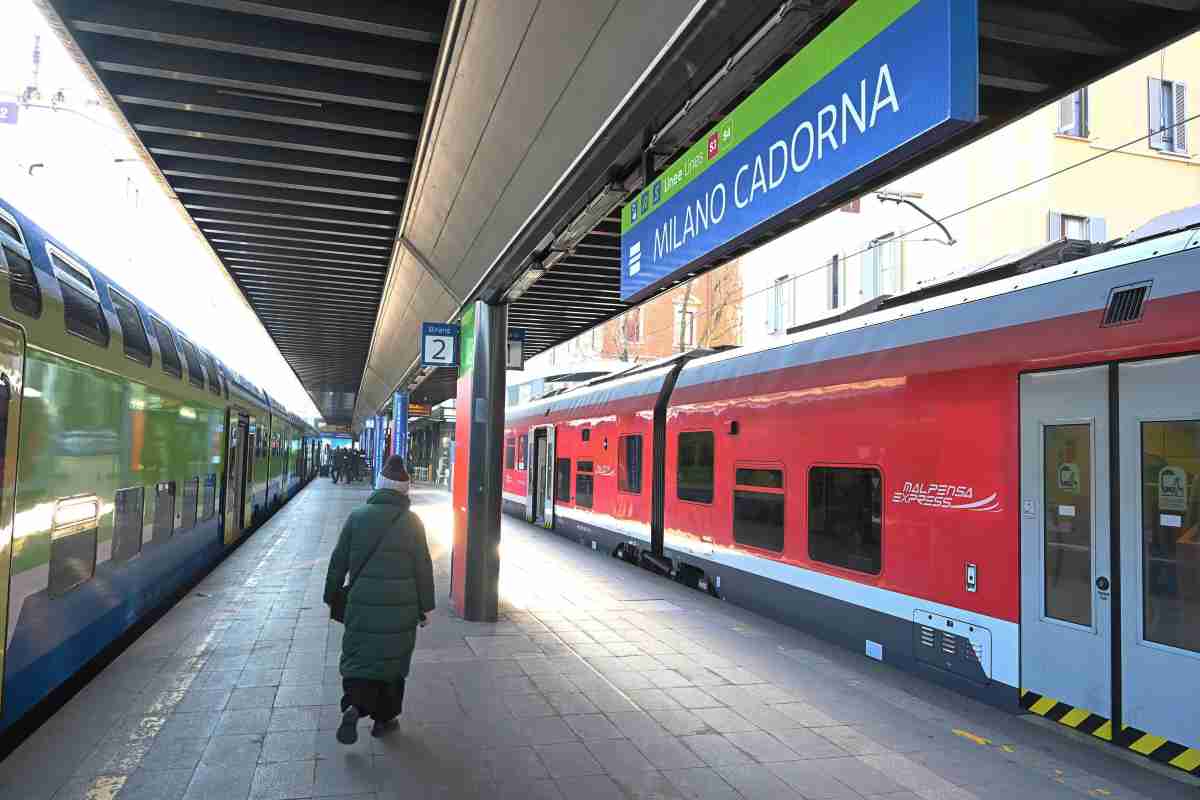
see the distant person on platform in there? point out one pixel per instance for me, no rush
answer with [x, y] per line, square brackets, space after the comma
[335, 464]
[382, 549]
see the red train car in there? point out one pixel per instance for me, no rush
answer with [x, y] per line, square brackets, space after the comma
[994, 483]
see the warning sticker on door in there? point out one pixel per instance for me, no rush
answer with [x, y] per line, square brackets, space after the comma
[1068, 478]
[1172, 489]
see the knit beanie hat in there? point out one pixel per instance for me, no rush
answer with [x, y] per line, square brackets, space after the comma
[394, 476]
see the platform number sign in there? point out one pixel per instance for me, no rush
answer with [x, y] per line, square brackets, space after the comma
[439, 344]
[8, 113]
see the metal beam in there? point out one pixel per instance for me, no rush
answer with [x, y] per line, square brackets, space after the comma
[264, 194]
[313, 262]
[332, 272]
[258, 208]
[231, 174]
[254, 236]
[284, 40]
[252, 74]
[273, 158]
[267, 248]
[416, 20]
[307, 229]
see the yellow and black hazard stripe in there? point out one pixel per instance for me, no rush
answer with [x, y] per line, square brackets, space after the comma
[1153, 747]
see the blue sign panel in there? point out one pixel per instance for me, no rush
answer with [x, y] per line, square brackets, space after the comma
[912, 85]
[8, 113]
[400, 424]
[439, 344]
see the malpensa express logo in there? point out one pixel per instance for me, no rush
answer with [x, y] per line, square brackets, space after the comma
[635, 258]
[946, 495]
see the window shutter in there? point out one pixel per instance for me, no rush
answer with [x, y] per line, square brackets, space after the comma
[1097, 229]
[1154, 93]
[1180, 117]
[1054, 230]
[1066, 114]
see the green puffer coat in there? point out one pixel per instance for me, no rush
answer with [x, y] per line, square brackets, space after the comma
[391, 593]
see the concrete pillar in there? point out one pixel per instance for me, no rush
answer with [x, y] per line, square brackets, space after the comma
[478, 450]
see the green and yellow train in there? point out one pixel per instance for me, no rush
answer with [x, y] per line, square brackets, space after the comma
[131, 460]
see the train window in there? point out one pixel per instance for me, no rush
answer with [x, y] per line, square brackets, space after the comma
[166, 348]
[209, 503]
[694, 472]
[510, 453]
[9, 227]
[133, 332]
[210, 372]
[758, 501]
[164, 511]
[629, 464]
[562, 480]
[845, 517]
[584, 484]
[81, 303]
[195, 372]
[23, 287]
[128, 509]
[191, 497]
[73, 542]
[522, 449]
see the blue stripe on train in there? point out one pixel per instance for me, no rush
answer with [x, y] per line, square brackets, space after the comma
[56, 636]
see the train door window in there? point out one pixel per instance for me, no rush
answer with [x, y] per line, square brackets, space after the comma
[562, 480]
[1068, 527]
[845, 517]
[166, 348]
[195, 372]
[585, 485]
[510, 453]
[164, 510]
[133, 332]
[522, 449]
[191, 498]
[629, 464]
[81, 301]
[758, 501]
[1171, 533]
[694, 471]
[210, 372]
[73, 542]
[128, 510]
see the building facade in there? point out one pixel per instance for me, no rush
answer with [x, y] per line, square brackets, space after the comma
[1092, 167]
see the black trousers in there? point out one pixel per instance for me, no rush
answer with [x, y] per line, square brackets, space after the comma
[379, 700]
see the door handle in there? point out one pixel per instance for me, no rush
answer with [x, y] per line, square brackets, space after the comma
[1102, 583]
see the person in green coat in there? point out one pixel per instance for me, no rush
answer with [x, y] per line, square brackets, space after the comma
[382, 549]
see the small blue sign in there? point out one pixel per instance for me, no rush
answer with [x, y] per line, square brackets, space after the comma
[8, 113]
[439, 344]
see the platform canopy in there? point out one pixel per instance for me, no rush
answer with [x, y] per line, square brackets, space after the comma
[360, 167]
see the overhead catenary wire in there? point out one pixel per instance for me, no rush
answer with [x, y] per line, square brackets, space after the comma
[934, 222]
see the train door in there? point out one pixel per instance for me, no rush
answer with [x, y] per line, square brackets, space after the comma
[253, 431]
[235, 476]
[1066, 646]
[539, 494]
[12, 365]
[1159, 435]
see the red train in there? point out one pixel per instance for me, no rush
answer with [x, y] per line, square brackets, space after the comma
[993, 481]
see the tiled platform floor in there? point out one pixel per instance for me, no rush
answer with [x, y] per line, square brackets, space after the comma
[601, 681]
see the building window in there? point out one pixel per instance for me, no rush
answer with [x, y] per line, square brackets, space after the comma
[562, 480]
[81, 303]
[510, 453]
[1073, 114]
[1168, 115]
[127, 523]
[631, 326]
[73, 542]
[685, 327]
[758, 499]
[1078, 228]
[835, 283]
[694, 470]
[779, 313]
[133, 332]
[629, 464]
[845, 517]
[584, 484]
[166, 348]
[881, 265]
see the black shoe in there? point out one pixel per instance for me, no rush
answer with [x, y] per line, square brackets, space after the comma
[347, 732]
[380, 728]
